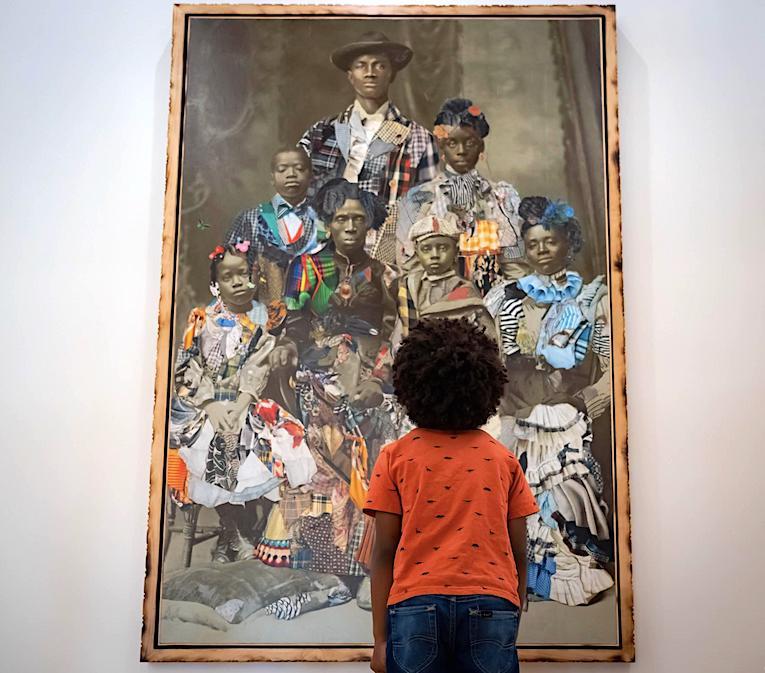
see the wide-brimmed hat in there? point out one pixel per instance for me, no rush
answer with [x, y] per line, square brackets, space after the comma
[371, 43]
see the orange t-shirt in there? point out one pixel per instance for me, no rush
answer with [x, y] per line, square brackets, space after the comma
[455, 492]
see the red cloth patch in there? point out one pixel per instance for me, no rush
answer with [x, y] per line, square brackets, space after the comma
[459, 293]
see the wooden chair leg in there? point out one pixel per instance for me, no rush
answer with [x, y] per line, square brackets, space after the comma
[190, 516]
[169, 523]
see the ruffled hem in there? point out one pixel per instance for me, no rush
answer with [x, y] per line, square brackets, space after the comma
[578, 584]
[552, 473]
[549, 428]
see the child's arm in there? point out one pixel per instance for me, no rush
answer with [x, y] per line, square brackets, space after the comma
[517, 529]
[387, 536]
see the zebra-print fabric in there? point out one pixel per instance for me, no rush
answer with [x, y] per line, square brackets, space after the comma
[601, 340]
[461, 190]
[509, 317]
[288, 607]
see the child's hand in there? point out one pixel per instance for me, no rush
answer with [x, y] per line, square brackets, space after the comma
[368, 394]
[282, 357]
[378, 664]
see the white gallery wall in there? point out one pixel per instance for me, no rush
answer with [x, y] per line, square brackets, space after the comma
[83, 114]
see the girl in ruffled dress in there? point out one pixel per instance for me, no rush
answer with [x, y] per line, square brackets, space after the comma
[221, 371]
[554, 332]
[489, 246]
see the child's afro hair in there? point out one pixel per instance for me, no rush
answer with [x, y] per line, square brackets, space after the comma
[448, 375]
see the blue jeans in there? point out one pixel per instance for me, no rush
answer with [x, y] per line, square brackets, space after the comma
[459, 634]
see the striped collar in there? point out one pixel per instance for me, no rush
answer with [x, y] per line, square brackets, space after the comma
[283, 207]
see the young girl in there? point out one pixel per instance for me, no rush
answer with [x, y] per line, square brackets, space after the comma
[449, 561]
[222, 369]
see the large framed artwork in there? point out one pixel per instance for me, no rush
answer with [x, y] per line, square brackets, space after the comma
[311, 152]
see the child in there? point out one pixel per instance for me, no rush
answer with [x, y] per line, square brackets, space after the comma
[283, 227]
[434, 289]
[222, 369]
[449, 561]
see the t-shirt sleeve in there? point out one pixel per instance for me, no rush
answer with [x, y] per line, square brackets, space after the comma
[521, 501]
[383, 496]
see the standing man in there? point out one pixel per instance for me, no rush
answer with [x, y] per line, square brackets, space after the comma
[371, 143]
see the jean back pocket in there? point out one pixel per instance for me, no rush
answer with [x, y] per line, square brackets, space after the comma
[414, 639]
[492, 640]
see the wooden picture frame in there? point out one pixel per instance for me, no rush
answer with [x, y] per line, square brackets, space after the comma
[153, 648]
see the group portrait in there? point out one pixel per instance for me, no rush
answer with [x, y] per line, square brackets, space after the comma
[336, 176]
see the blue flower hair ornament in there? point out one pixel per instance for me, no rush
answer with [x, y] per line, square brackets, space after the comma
[557, 213]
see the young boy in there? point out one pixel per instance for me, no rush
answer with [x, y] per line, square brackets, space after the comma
[283, 227]
[449, 560]
[433, 289]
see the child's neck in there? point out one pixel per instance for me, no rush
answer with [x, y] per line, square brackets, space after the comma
[238, 309]
[293, 200]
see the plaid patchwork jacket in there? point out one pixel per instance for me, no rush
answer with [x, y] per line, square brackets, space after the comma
[402, 154]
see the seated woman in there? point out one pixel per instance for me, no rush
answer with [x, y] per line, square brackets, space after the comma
[221, 371]
[434, 289]
[341, 313]
[489, 245]
[554, 332]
